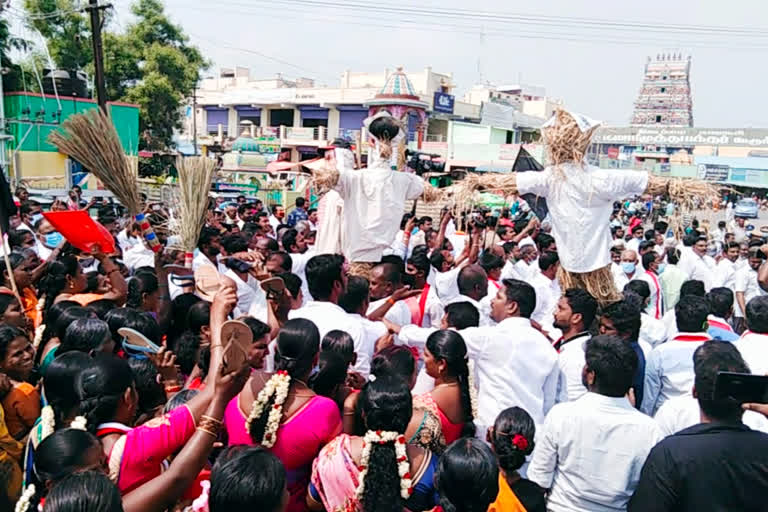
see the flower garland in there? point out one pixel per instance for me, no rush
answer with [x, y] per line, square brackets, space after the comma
[472, 388]
[279, 385]
[403, 467]
[48, 422]
[38, 336]
[23, 504]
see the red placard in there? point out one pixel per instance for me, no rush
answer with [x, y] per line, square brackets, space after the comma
[613, 153]
[81, 230]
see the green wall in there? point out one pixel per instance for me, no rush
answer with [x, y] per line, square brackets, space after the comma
[125, 117]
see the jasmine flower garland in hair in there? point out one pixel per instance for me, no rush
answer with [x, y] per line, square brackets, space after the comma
[279, 385]
[403, 467]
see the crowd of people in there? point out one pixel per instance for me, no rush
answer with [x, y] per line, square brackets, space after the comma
[452, 374]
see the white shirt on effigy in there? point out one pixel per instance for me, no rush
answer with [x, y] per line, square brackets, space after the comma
[515, 366]
[589, 453]
[754, 349]
[329, 317]
[669, 370]
[580, 199]
[374, 200]
[682, 412]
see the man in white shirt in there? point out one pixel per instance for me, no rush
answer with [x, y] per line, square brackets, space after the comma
[753, 344]
[669, 369]
[637, 236]
[574, 315]
[589, 452]
[514, 363]
[473, 288]
[385, 281]
[278, 214]
[655, 306]
[524, 266]
[547, 290]
[689, 287]
[682, 412]
[628, 269]
[355, 302]
[295, 245]
[695, 265]
[746, 286]
[327, 281]
[736, 226]
[725, 271]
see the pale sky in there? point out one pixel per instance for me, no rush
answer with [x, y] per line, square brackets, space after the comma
[599, 77]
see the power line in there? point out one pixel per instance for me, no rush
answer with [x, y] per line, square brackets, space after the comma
[584, 37]
[569, 22]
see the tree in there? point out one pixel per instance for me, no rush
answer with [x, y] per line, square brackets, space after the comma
[66, 30]
[11, 71]
[152, 64]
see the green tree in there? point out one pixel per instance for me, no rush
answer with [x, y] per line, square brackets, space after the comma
[66, 30]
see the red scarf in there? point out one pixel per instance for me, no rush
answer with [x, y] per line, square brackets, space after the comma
[655, 280]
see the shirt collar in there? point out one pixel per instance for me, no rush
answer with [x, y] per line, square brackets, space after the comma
[714, 427]
[515, 320]
[691, 336]
[612, 401]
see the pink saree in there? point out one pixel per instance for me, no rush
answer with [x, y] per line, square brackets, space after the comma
[299, 440]
[138, 455]
[335, 478]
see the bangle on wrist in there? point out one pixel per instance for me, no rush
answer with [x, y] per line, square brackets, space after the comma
[173, 389]
[390, 301]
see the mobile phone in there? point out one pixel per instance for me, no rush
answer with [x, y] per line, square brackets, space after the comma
[239, 265]
[742, 387]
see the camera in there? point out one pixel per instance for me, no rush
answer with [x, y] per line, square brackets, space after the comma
[423, 162]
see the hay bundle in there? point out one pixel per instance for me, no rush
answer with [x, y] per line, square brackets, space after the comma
[195, 176]
[599, 283]
[565, 141]
[92, 140]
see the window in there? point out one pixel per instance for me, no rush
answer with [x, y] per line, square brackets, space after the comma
[664, 77]
[658, 119]
[663, 89]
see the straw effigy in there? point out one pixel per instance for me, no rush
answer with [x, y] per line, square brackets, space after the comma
[92, 140]
[195, 177]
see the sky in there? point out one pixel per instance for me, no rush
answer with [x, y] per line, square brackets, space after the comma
[595, 68]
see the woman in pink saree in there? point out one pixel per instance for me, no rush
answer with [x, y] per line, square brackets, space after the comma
[281, 413]
[108, 403]
[353, 473]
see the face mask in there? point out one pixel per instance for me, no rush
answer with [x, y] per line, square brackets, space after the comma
[628, 267]
[661, 268]
[52, 240]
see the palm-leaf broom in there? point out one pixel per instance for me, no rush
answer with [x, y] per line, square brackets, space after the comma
[92, 140]
[195, 176]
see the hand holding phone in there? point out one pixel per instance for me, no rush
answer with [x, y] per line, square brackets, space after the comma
[742, 387]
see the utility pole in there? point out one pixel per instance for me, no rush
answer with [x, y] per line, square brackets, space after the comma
[98, 51]
[194, 118]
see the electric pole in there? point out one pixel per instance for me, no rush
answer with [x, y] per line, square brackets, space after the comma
[98, 51]
[194, 118]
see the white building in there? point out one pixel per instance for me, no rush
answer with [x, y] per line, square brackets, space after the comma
[299, 112]
[531, 100]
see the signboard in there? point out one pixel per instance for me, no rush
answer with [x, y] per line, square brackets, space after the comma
[443, 103]
[613, 152]
[682, 137]
[712, 172]
[300, 133]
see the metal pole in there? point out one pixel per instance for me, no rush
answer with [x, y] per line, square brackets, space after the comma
[194, 119]
[98, 52]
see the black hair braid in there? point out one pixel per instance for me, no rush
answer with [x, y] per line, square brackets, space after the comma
[134, 294]
[382, 481]
[259, 425]
[98, 410]
[466, 400]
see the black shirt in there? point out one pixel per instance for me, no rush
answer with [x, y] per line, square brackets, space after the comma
[707, 467]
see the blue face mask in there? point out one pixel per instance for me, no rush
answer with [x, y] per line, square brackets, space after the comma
[661, 268]
[52, 240]
[627, 267]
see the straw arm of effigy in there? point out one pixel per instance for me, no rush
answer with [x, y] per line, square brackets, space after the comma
[683, 190]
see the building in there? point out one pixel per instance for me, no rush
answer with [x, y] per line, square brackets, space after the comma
[665, 96]
[303, 115]
[31, 117]
[531, 100]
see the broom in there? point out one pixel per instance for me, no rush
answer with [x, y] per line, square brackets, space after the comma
[92, 140]
[195, 176]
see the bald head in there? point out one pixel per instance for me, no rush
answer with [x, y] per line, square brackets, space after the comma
[473, 282]
[629, 256]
